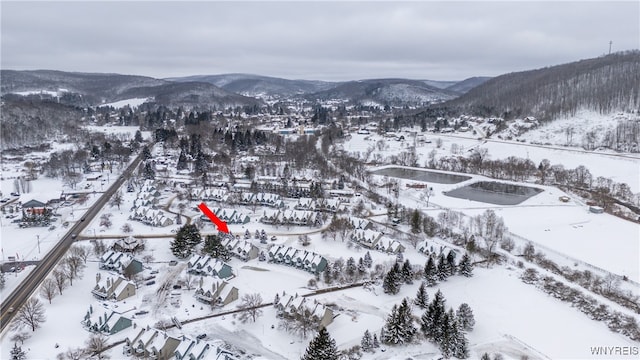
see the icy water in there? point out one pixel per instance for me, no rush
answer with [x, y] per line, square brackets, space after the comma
[421, 175]
[494, 193]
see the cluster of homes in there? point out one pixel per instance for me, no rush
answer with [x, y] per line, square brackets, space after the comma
[326, 205]
[144, 207]
[230, 216]
[291, 217]
[150, 216]
[150, 343]
[263, 199]
[295, 305]
[212, 288]
[375, 240]
[431, 248]
[116, 287]
[241, 249]
[301, 259]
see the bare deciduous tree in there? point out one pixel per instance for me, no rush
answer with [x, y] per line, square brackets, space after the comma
[73, 267]
[250, 304]
[48, 289]
[60, 278]
[80, 251]
[20, 337]
[31, 315]
[99, 247]
[96, 344]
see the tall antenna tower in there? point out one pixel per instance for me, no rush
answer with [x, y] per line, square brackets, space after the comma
[610, 43]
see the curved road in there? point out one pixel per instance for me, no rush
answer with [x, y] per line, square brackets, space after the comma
[21, 294]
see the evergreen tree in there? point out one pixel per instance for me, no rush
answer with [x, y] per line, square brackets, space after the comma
[2, 279]
[146, 153]
[446, 340]
[367, 342]
[405, 316]
[465, 268]
[460, 342]
[367, 260]
[430, 272]
[17, 353]
[392, 332]
[465, 317]
[321, 347]
[451, 263]
[213, 246]
[187, 237]
[148, 172]
[362, 269]
[390, 284]
[351, 268]
[182, 161]
[399, 328]
[328, 278]
[138, 137]
[485, 356]
[407, 272]
[416, 221]
[201, 165]
[422, 298]
[433, 318]
[376, 343]
[443, 270]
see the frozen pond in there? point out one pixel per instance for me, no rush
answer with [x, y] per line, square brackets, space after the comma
[421, 175]
[493, 192]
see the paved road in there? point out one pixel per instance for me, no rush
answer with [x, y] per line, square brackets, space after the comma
[21, 294]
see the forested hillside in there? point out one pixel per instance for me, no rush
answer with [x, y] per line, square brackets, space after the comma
[30, 122]
[605, 84]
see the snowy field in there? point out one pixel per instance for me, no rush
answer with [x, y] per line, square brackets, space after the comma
[512, 318]
[618, 167]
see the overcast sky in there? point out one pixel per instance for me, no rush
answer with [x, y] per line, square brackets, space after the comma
[313, 40]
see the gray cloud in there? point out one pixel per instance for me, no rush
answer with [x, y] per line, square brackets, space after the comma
[313, 40]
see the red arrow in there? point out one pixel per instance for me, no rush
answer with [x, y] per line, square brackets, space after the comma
[221, 225]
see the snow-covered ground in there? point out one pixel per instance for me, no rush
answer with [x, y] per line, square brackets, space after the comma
[512, 318]
[135, 102]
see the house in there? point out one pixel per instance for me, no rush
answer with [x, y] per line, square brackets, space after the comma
[295, 305]
[429, 248]
[128, 244]
[150, 216]
[34, 207]
[302, 259]
[366, 238]
[305, 203]
[271, 217]
[208, 266]
[390, 246]
[151, 343]
[329, 205]
[359, 223]
[190, 349]
[218, 195]
[108, 324]
[243, 250]
[215, 292]
[120, 262]
[110, 288]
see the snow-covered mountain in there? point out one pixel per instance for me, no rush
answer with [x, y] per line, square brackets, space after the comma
[90, 89]
[260, 86]
[394, 92]
[606, 84]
